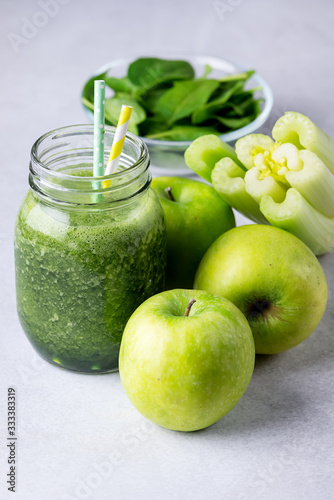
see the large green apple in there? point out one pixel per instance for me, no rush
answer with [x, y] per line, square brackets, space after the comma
[273, 278]
[186, 358]
[195, 216]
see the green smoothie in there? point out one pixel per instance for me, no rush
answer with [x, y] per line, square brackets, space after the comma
[80, 274]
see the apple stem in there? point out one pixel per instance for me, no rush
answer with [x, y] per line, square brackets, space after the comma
[168, 190]
[189, 306]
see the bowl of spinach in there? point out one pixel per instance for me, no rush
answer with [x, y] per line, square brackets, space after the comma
[176, 99]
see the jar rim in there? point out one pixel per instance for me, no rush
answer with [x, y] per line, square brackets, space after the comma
[84, 129]
[63, 146]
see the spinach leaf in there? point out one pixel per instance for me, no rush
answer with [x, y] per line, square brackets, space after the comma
[121, 84]
[237, 109]
[184, 97]
[237, 76]
[234, 123]
[88, 90]
[207, 71]
[247, 107]
[241, 96]
[87, 103]
[150, 100]
[205, 112]
[168, 103]
[256, 107]
[183, 133]
[113, 108]
[152, 126]
[149, 72]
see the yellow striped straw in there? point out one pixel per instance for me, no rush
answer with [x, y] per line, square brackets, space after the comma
[117, 146]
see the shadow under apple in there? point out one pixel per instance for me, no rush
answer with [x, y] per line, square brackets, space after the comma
[285, 388]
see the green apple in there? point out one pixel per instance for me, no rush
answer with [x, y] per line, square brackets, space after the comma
[273, 278]
[186, 358]
[195, 216]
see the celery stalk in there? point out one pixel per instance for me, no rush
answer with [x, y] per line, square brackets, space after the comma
[298, 217]
[258, 187]
[289, 183]
[228, 180]
[315, 182]
[287, 155]
[303, 133]
[202, 155]
[250, 145]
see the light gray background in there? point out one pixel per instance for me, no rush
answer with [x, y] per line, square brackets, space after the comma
[79, 437]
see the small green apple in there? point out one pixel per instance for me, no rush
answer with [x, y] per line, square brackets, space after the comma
[186, 358]
[273, 278]
[195, 216]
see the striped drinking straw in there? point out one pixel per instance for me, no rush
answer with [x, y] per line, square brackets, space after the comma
[99, 105]
[117, 146]
[99, 123]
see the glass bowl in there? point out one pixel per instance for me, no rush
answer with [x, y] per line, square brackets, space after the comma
[167, 157]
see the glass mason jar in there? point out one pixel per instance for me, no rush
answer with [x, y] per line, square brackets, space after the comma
[88, 251]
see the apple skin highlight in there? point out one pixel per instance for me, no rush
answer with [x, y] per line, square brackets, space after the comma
[273, 278]
[186, 372]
